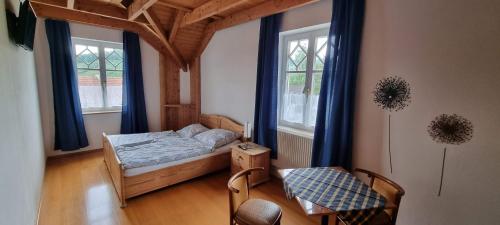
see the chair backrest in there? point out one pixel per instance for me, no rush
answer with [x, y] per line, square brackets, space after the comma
[387, 188]
[239, 189]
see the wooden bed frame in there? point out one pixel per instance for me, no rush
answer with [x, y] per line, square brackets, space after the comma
[131, 186]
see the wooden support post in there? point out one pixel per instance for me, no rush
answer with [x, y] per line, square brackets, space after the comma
[173, 93]
[163, 91]
[170, 92]
[195, 84]
[175, 115]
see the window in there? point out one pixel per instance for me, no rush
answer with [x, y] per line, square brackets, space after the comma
[302, 57]
[99, 67]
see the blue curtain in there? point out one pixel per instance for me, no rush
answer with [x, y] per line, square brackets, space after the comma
[134, 119]
[70, 130]
[266, 100]
[332, 145]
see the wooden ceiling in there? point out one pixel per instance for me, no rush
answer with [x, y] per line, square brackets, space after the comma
[179, 28]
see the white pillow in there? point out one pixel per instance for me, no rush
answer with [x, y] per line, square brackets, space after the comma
[217, 137]
[192, 130]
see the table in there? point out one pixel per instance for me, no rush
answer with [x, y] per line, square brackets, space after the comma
[312, 209]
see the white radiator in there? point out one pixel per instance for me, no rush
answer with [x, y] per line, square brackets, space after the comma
[294, 151]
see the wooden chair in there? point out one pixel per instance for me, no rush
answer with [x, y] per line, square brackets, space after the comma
[246, 211]
[390, 190]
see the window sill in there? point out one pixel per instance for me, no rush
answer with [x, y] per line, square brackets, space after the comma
[298, 132]
[101, 112]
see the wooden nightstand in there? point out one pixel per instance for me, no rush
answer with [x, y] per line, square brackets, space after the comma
[255, 156]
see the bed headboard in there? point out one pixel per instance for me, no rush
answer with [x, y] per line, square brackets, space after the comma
[222, 122]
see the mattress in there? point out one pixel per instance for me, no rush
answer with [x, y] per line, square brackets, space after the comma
[145, 169]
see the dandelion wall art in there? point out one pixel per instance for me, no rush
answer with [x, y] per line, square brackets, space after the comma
[452, 130]
[392, 94]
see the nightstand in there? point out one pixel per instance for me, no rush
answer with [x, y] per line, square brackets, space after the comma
[255, 156]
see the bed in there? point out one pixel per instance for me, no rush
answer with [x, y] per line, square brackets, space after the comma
[131, 182]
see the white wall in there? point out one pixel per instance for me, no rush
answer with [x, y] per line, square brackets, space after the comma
[95, 124]
[22, 159]
[229, 63]
[228, 72]
[448, 51]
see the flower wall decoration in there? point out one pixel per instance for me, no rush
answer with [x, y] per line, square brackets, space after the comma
[449, 129]
[392, 94]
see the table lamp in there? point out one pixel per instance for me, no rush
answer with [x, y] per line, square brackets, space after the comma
[247, 135]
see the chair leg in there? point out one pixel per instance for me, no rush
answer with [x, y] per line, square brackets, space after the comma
[278, 222]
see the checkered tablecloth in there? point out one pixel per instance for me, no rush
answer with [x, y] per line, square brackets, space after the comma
[339, 191]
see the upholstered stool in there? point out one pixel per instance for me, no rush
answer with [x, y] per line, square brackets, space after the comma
[258, 212]
[246, 211]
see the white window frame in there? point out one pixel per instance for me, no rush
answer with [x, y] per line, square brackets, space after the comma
[102, 71]
[309, 33]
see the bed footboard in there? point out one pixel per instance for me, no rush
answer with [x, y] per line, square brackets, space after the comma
[115, 169]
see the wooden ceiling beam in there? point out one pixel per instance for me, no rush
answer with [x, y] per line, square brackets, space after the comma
[62, 13]
[262, 10]
[138, 7]
[177, 23]
[207, 36]
[153, 19]
[105, 8]
[210, 8]
[175, 6]
[155, 22]
[102, 8]
[184, 9]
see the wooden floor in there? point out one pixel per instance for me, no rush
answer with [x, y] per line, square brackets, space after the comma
[78, 190]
